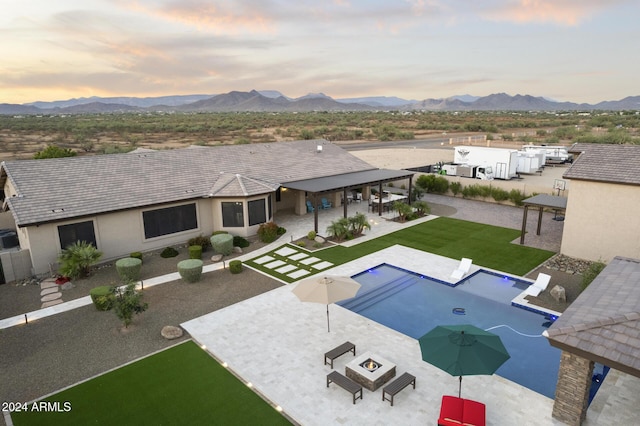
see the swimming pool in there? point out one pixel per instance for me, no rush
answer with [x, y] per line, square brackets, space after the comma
[414, 304]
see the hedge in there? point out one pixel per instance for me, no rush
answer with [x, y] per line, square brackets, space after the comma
[190, 270]
[129, 268]
[102, 297]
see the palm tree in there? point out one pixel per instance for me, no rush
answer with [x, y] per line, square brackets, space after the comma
[339, 229]
[358, 223]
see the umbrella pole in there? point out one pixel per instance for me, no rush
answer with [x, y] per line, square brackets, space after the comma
[460, 387]
[328, 319]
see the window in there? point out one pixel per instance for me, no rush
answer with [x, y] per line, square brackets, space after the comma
[232, 215]
[257, 212]
[81, 231]
[169, 220]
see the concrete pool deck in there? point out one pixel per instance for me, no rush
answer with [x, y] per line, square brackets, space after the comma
[277, 343]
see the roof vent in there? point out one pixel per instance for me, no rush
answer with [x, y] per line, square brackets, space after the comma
[57, 210]
[319, 149]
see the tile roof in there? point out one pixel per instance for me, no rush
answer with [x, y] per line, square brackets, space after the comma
[62, 188]
[603, 323]
[606, 163]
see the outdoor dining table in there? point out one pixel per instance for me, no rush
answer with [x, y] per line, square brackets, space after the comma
[387, 201]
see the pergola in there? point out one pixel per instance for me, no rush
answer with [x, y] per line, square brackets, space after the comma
[344, 182]
[541, 201]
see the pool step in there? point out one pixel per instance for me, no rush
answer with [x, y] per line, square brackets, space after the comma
[373, 296]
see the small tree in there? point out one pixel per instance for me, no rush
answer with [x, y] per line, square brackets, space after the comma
[403, 209]
[127, 301]
[77, 258]
[358, 223]
[339, 229]
[422, 208]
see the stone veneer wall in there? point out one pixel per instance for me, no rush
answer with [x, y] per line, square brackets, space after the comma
[572, 389]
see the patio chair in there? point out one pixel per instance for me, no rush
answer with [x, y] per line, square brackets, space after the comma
[309, 206]
[462, 270]
[325, 204]
[539, 285]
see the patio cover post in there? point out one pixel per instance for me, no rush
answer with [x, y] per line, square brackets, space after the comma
[524, 224]
[345, 201]
[380, 199]
[315, 212]
[539, 221]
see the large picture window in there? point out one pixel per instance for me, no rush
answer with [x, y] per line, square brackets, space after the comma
[169, 220]
[81, 231]
[232, 215]
[257, 212]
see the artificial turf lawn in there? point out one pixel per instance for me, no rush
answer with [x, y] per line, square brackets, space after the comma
[182, 385]
[488, 246]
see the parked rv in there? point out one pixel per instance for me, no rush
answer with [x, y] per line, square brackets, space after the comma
[554, 154]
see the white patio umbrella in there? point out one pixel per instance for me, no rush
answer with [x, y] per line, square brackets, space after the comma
[326, 289]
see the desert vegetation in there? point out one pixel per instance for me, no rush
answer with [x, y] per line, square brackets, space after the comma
[24, 136]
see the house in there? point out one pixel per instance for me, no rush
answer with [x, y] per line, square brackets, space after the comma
[602, 219]
[147, 200]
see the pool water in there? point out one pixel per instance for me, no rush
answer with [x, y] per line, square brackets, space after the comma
[413, 305]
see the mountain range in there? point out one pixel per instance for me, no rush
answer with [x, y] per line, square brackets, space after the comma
[274, 101]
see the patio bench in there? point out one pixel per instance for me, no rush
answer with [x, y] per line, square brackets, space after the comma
[339, 351]
[397, 385]
[346, 384]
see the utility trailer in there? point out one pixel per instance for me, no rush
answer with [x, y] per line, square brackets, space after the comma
[502, 163]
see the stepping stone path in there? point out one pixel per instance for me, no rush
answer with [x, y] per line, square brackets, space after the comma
[50, 293]
[293, 255]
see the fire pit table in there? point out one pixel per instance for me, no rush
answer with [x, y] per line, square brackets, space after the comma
[371, 371]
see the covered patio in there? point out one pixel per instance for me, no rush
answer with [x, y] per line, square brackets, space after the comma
[541, 201]
[341, 184]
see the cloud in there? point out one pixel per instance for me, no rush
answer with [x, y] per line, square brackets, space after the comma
[562, 12]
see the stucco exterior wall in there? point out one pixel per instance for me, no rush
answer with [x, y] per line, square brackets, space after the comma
[601, 221]
[117, 235]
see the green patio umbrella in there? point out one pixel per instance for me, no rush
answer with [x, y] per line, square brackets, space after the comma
[463, 350]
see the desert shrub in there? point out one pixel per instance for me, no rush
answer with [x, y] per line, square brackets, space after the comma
[485, 191]
[499, 194]
[455, 188]
[190, 270]
[240, 242]
[129, 268]
[219, 232]
[54, 151]
[471, 191]
[281, 231]
[301, 244]
[433, 183]
[102, 297]
[235, 266]
[136, 255]
[517, 196]
[311, 235]
[591, 273]
[222, 244]
[169, 252]
[77, 258]
[195, 252]
[268, 232]
[201, 241]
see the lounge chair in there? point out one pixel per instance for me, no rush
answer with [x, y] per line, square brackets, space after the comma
[325, 204]
[463, 268]
[457, 411]
[539, 285]
[309, 206]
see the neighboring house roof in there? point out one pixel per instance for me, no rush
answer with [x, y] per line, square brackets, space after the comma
[603, 323]
[63, 188]
[606, 163]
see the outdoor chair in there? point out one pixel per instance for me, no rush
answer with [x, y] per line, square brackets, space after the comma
[325, 204]
[463, 269]
[309, 206]
[539, 285]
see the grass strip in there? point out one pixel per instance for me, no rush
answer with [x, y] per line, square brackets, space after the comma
[182, 385]
[488, 246]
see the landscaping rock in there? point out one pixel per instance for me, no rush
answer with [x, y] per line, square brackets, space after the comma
[67, 286]
[237, 250]
[216, 258]
[171, 332]
[558, 293]
[319, 239]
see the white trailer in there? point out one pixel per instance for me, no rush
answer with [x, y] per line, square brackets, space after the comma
[502, 162]
[553, 153]
[530, 162]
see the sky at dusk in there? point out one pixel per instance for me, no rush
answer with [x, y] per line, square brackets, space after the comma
[566, 50]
